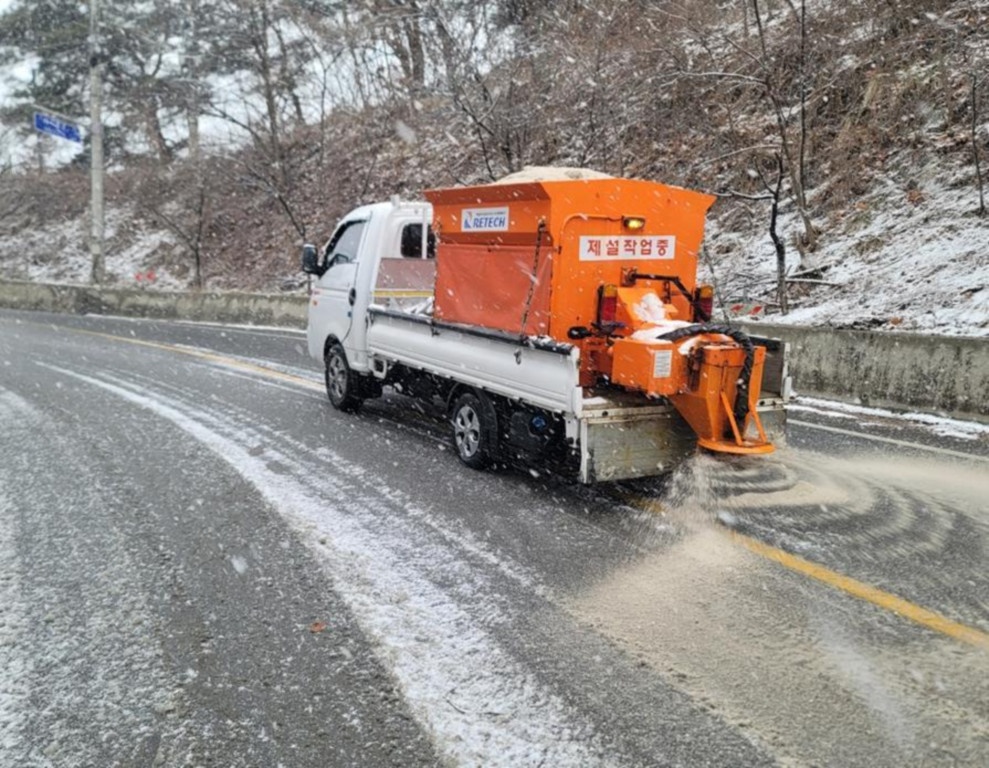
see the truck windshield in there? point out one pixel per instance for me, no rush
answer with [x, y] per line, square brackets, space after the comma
[343, 248]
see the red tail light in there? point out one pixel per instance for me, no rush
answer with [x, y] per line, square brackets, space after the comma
[704, 296]
[607, 306]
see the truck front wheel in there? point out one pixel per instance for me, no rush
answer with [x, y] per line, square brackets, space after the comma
[473, 431]
[342, 385]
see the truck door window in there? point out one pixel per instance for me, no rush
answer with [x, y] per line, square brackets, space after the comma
[412, 242]
[343, 247]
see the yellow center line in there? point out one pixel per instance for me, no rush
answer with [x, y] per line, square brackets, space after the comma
[848, 585]
[866, 592]
[211, 357]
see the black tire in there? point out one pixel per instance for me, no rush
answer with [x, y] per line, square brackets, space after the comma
[343, 386]
[473, 431]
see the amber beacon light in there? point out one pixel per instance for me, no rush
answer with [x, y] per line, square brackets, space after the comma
[633, 223]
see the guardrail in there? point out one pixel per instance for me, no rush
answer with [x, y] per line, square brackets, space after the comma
[244, 308]
[941, 374]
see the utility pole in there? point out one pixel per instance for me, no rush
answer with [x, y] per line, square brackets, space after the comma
[192, 74]
[96, 145]
[192, 114]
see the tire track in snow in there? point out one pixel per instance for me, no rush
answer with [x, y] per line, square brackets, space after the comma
[70, 600]
[480, 704]
[16, 417]
[394, 509]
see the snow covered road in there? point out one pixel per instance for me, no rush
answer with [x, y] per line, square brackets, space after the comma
[202, 563]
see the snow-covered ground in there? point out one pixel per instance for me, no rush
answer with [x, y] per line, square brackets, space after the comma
[911, 255]
[887, 262]
[938, 425]
[894, 265]
[59, 253]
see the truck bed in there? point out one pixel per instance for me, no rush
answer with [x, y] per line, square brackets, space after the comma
[617, 435]
[542, 372]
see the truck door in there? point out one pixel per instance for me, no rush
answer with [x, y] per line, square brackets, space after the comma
[334, 294]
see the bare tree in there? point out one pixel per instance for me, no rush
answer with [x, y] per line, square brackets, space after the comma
[399, 25]
[772, 193]
[794, 157]
[778, 244]
[180, 201]
[12, 201]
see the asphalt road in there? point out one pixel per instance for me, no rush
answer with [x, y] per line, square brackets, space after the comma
[201, 563]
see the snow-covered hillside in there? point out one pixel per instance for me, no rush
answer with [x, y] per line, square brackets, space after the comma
[888, 261]
[259, 129]
[893, 265]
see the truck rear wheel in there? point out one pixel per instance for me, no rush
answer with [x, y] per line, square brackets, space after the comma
[342, 384]
[473, 431]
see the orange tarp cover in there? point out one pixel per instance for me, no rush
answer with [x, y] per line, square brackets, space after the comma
[494, 287]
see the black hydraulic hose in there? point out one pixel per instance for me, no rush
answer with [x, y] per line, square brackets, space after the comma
[741, 410]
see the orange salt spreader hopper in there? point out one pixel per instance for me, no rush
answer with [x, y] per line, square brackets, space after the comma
[610, 266]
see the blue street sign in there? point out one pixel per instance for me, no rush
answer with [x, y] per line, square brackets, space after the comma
[55, 127]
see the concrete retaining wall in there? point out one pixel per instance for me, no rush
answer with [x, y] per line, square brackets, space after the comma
[941, 374]
[245, 308]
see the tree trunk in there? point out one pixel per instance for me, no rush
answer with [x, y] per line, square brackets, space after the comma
[794, 160]
[975, 147]
[259, 31]
[195, 156]
[152, 128]
[778, 242]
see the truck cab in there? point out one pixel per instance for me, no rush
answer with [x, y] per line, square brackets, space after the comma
[353, 269]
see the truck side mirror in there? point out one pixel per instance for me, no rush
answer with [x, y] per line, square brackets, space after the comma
[310, 260]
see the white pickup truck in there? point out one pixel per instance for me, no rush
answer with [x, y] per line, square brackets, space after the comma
[509, 395]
